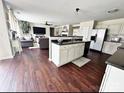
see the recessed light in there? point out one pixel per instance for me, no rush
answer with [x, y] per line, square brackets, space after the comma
[113, 11]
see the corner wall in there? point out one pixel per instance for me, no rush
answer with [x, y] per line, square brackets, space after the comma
[5, 47]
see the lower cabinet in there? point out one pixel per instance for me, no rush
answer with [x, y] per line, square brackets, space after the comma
[71, 53]
[62, 54]
[110, 47]
[113, 80]
[81, 49]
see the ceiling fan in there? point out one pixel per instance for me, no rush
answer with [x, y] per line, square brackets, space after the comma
[48, 24]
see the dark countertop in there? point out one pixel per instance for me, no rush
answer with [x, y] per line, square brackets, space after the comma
[112, 41]
[67, 36]
[67, 42]
[117, 59]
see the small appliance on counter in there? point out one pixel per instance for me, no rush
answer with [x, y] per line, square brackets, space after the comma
[115, 39]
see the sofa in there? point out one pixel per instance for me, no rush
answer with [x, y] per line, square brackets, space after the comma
[26, 43]
[44, 43]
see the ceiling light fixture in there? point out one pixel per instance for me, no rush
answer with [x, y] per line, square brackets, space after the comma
[77, 10]
[113, 11]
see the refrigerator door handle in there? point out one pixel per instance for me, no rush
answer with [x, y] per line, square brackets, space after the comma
[95, 38]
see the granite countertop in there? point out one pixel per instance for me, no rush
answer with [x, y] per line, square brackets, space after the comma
[112, 42]
[68, 42]
[117, 59]
[67, 36]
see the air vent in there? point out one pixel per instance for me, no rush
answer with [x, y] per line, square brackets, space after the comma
[113, 11]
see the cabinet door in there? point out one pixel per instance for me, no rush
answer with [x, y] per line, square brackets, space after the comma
[107, 47]
[81, 49]
[114, 29]
[110, 47]
[105, 78]
[70, 53]
[115, 81]
[114, 47]
[75, 51]
[76, 32]
[122, 30]
[85, 32]
[63, 55]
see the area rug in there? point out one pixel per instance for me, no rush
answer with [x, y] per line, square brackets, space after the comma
[81, 61]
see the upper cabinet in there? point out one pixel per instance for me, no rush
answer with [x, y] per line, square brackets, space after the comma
[64, 29]
[121, 32]
[101, 26]
[85, 29]
[114, 29]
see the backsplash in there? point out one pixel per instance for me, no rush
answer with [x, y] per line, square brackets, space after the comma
[109, 37]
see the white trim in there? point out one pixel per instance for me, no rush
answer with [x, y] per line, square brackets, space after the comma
[5, 58]
[50, 59]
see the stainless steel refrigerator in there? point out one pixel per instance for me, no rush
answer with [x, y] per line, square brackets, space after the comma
[97, 39]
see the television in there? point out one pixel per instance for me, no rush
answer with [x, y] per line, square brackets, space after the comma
[39, 30]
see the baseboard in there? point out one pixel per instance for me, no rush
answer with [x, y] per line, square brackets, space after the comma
[95, 50]
[6, 58]
[50, 59]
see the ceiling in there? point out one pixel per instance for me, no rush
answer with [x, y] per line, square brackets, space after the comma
[63, 11]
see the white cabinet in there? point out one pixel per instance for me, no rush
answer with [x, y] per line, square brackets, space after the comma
[59, 30]
[76, 31]
[103, 26]
[81, 49]
[110, 47]
[76, 51]
[113, 80]
[85, 32]
[106, 48]
[70, 53]
[62, 54]
[121, 32]
[114, 29]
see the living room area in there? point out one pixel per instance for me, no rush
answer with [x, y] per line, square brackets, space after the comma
[61, 46]
[37, 37]
[26, 34]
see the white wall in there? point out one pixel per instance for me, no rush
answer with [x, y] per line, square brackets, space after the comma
[5, 48]
[37, 25]
[115, 27]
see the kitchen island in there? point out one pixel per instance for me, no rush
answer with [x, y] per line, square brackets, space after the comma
[60, 37]
[65, 52]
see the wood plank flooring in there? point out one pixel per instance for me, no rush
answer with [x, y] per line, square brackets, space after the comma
[31, 71]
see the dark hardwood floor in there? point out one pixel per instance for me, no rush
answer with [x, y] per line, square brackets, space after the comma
[31, 71]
